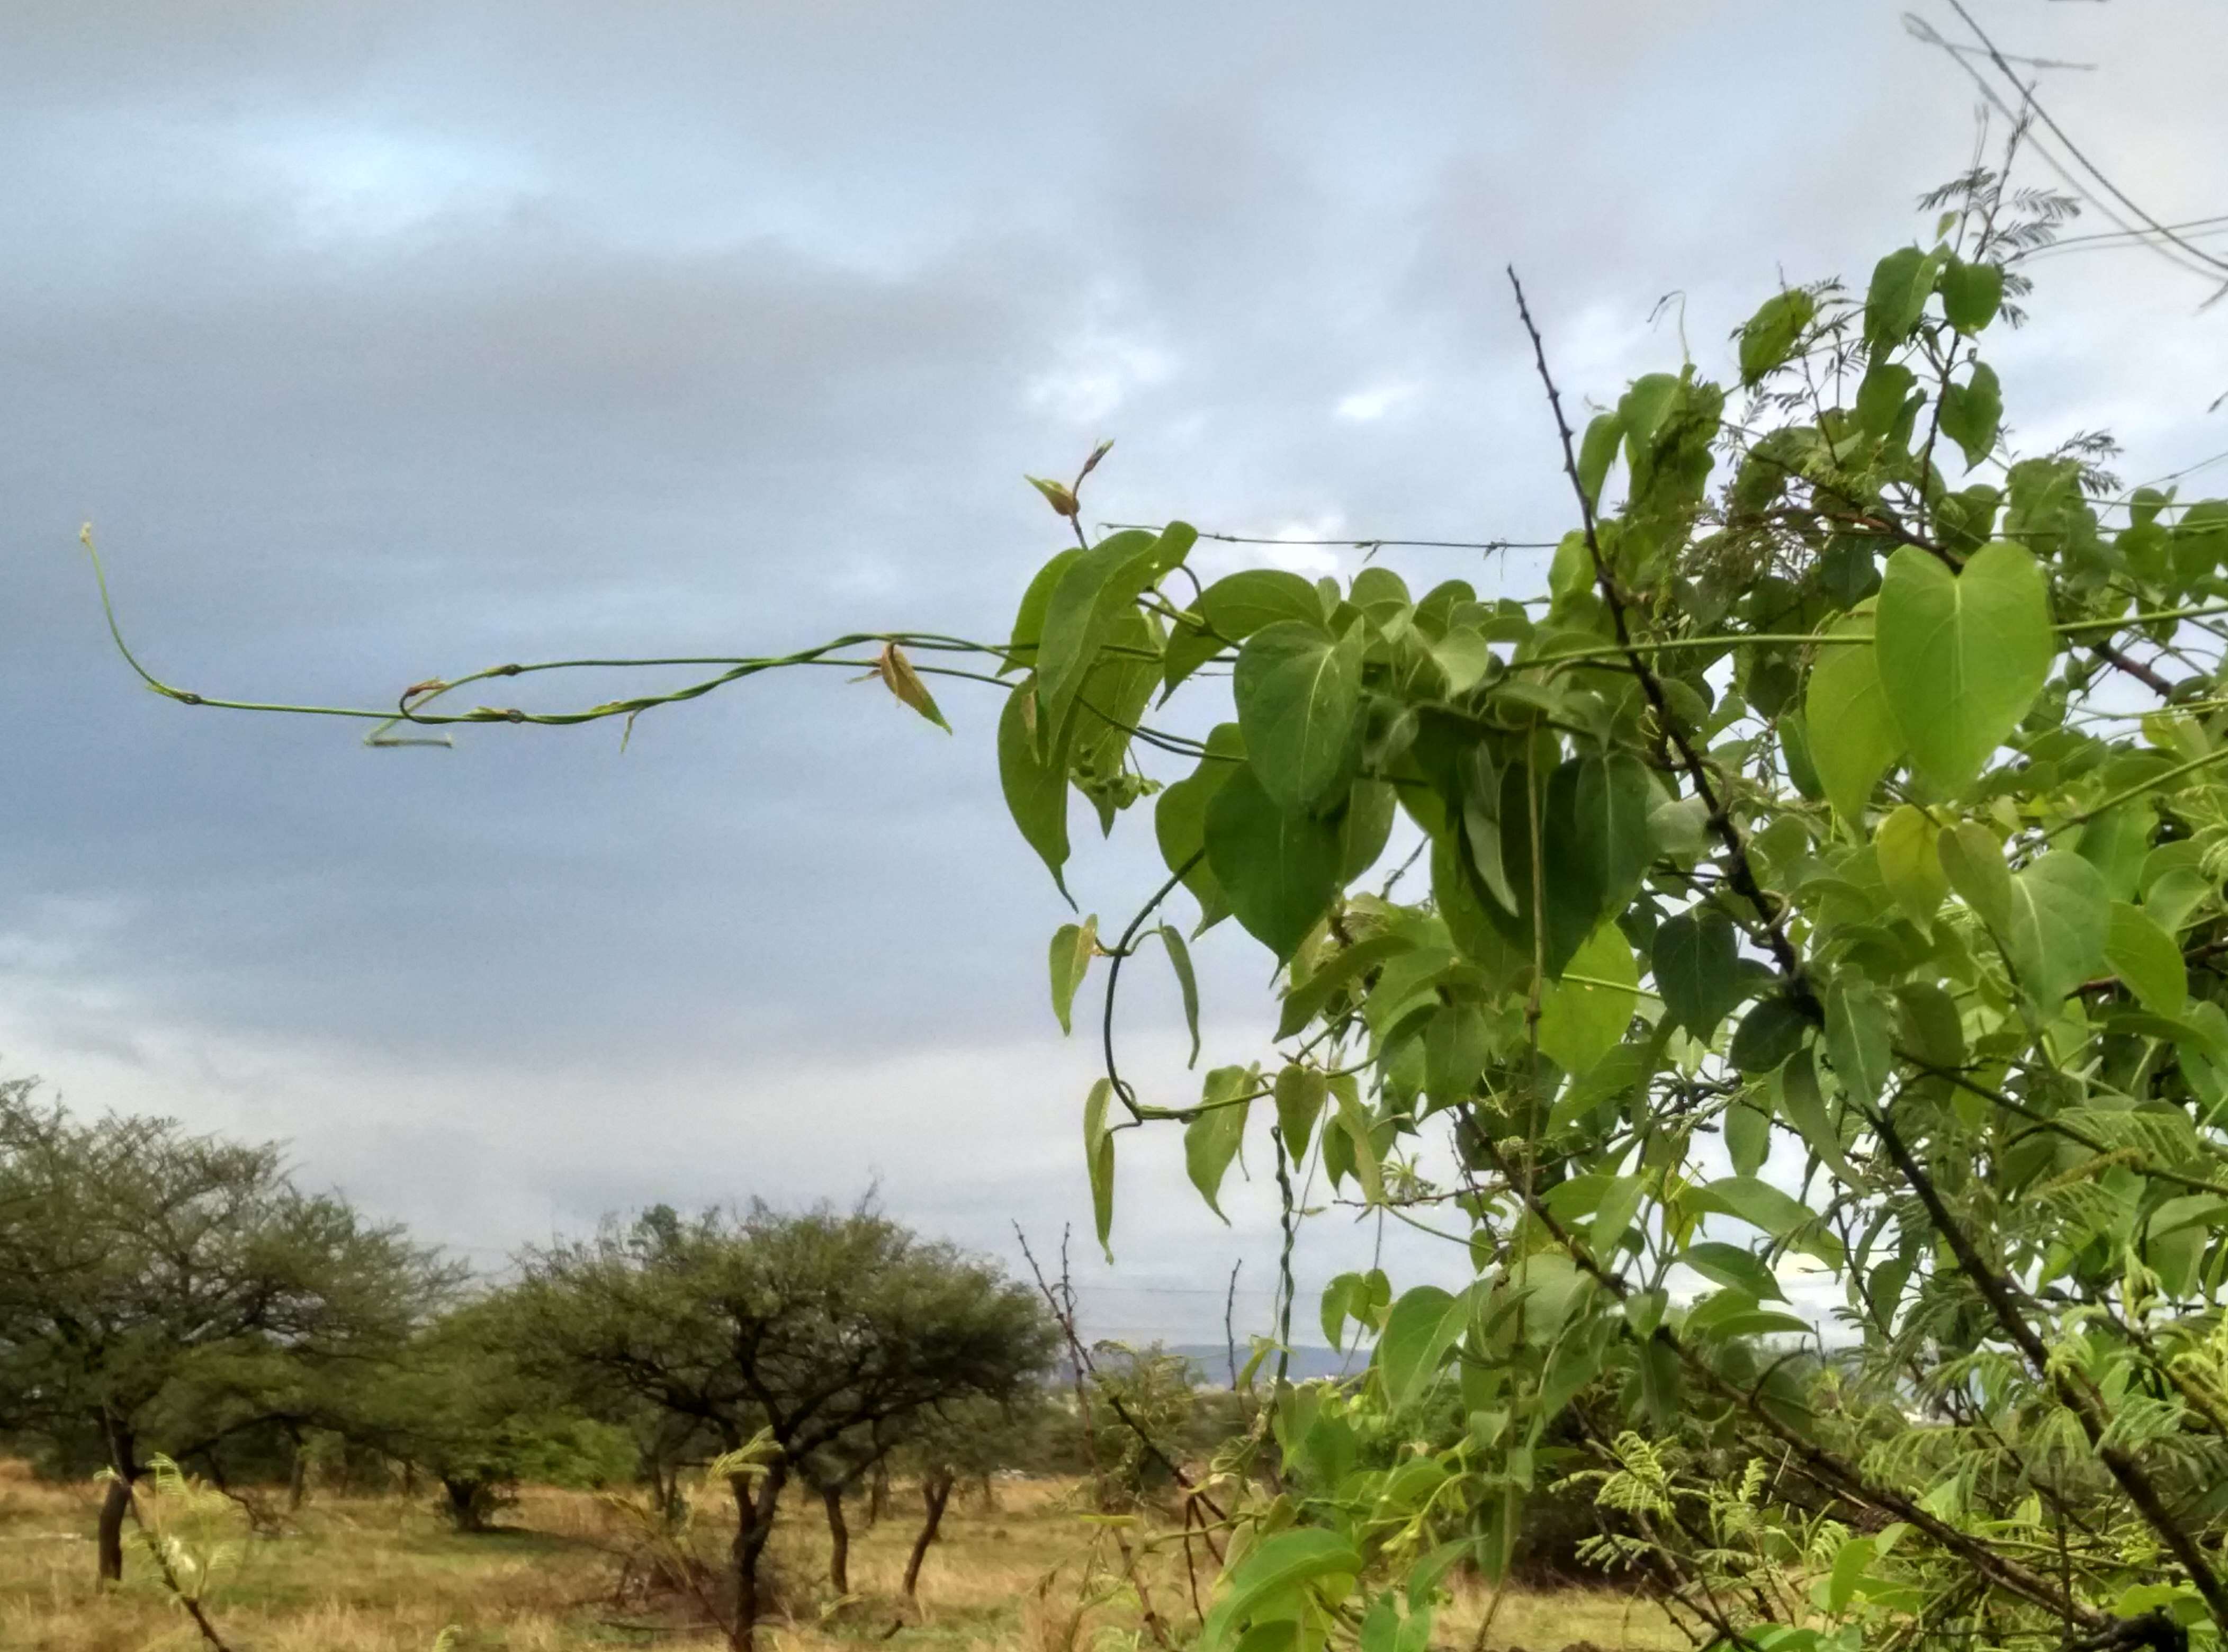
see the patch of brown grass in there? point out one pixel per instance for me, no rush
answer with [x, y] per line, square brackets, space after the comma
[361, 1574]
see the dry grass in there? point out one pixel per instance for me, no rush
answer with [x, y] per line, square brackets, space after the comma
[383, 1575]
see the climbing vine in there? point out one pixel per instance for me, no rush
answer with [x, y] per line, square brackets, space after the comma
[1821, 878]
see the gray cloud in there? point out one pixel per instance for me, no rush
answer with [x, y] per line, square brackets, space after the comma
[381, 341]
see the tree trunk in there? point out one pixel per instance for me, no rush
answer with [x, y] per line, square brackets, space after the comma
[878, 1494]
[464, 1507]
[754, 1511]
[298, 1472]
[117, 1503]
[935, 1491]
[112, 1507]
[839, 1540]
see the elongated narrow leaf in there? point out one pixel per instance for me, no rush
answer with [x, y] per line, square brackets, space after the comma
[1772, 1209]
[1035, 787]
[1098, 1158]
[1860, 1039]
[1961, 656]
[1187, 983]
[1803, 1105]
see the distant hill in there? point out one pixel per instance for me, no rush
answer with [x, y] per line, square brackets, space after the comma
[1307, 1363]
[1210, 1363]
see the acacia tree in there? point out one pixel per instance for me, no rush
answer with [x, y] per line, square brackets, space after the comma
[1825, 864]
[968, 1440]
[161, 1293]
[455, 1402]
[806, 1330]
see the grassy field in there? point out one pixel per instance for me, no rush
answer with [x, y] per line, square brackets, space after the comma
[355, 1574]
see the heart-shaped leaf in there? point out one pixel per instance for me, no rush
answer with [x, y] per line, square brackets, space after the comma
[1961, 656]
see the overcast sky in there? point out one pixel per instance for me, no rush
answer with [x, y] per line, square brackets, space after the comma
[385, 341]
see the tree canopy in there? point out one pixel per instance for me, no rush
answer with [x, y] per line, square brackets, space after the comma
[163, 1291]
[803, 1335]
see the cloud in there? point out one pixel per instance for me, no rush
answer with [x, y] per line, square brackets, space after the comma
[383, 341]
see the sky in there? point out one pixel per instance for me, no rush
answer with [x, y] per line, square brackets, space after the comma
[380, 342]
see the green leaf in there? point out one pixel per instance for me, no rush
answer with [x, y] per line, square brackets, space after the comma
[1729, 1265]
[1424, 1325]
[1971, 294]
[1696, 958]
[1272, 1568]
[1859, 1040]
[1073, 945]
[1770, 335]
[2147, 959]
[1366, 827]
[1850, 1561]
[2060, 918]
[1853, 737]
[1904, 846]
[1298, 693]
[1180, 821]
[2115, 843]
[1212, 1140]
[1768, 1034]
[1598, 452]
[1354, 1124]
[1613, 797]
[1187, 983]
[1973, 411]
[1973, 860]
[1804, 1107]
[1300, 1093]
[1961, 656]
[1581, 1021]
[1902, 282]
[1036, 789]
[1308, 1000]
[1455, 1044]
[1240, 604]
[1747, 1138]
[1097, 587]
[1029, 622]
[1763, 1206]
[1099, 1158]
[1279, 871]
[1883, 395]
[1232, 610]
